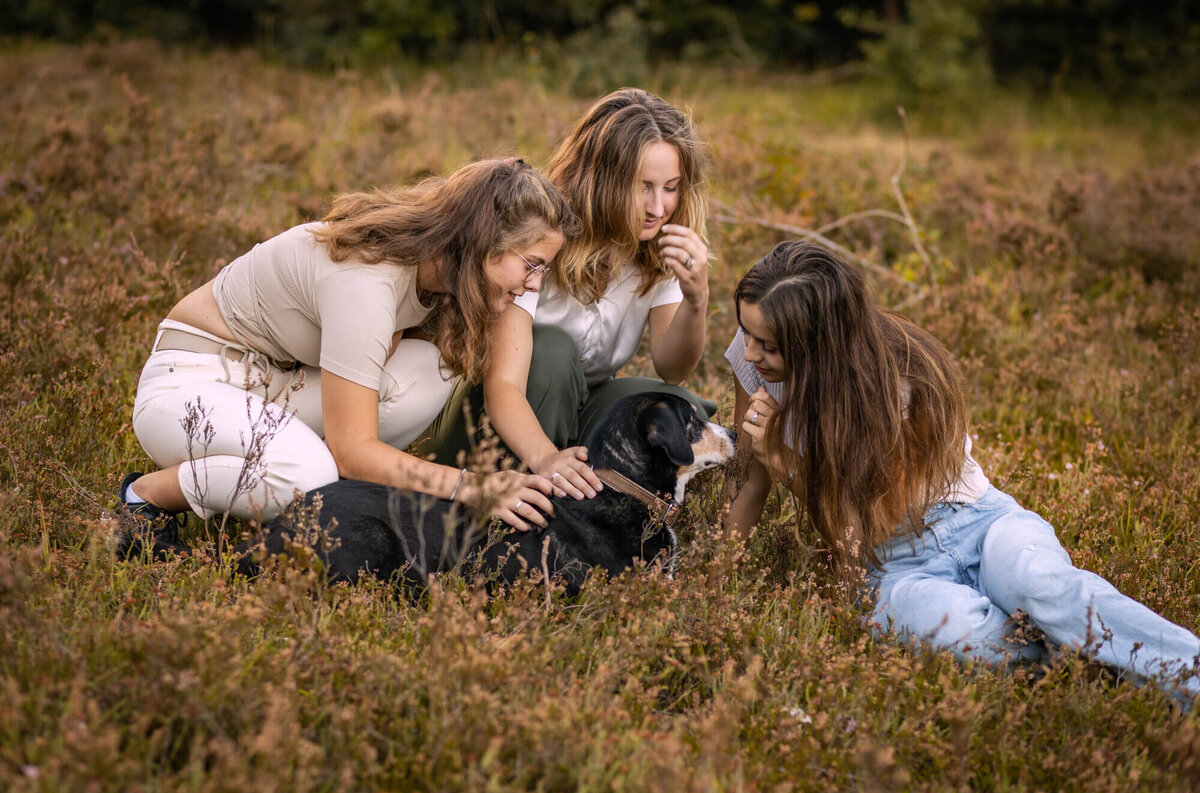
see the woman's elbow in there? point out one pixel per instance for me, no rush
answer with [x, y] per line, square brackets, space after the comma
[345, 456]
[670, 373]
[673, 368]
[345, 469]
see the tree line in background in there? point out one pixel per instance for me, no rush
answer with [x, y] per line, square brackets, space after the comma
[922, 47]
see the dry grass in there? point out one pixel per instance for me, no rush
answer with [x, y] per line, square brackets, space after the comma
[1065, 263]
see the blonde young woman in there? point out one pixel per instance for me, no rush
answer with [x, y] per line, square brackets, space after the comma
[292, 368]
[861, 415]
[633, 169]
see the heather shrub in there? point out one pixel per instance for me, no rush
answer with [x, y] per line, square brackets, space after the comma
[1055, 258]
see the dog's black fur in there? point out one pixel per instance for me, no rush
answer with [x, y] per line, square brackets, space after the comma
[656, 440]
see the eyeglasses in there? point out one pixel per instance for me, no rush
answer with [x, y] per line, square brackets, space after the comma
[534, 269]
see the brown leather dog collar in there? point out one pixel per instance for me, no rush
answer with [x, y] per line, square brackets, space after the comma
[661, 511]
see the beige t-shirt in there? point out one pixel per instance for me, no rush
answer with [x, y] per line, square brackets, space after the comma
[606, 333]
[287, 299]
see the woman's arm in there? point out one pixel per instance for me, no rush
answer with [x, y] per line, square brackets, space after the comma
[513, 418]
[351, 415]
[678, 331]
[747, 504]
[677, 336]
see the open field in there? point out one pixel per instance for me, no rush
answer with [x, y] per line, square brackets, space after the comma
[1054, 245]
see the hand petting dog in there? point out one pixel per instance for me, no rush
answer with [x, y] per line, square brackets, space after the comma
[568, 471]
[520, 500]
[655, 442]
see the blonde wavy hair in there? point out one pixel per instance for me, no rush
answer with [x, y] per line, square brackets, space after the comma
[598, 166]
[872, 413]
[462, 222]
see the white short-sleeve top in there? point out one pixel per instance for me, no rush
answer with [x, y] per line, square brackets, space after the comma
[606, 333]
[289, 300]
[971, 484]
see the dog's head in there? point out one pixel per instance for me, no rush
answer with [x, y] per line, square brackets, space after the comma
[659, 441]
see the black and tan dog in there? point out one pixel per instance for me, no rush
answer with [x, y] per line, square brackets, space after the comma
[646, 449]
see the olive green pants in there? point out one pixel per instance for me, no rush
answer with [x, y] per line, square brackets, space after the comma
[565, 406]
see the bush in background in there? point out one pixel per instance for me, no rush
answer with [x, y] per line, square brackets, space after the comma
[943, 46]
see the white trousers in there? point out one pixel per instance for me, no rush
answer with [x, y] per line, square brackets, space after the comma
[247, 435]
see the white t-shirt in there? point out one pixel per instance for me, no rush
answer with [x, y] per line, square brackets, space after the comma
[606, 333]
[286, 298]
[971, 484]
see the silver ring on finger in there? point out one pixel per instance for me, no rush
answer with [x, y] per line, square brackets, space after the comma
[517, 508]
[688, 262]
[754, 419]
[556, 473]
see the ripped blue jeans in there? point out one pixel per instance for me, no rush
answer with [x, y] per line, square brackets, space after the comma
[956, 585]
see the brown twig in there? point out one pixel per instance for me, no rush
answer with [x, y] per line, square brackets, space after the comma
[913, 231]
[546, 569]
[866, 213]
[60, 469]
[904, 218]
[809, 234]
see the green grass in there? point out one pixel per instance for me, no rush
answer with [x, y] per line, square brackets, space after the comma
[1062, 237]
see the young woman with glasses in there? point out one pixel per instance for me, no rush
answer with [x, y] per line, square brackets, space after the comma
[304, 361]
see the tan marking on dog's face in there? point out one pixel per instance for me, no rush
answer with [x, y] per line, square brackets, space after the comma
[714, 447]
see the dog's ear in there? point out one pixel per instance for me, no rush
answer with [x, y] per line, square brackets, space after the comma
[664, 429]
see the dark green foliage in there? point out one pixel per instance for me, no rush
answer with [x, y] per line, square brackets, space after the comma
[948, 46]
[1121, 47]
[929, 60]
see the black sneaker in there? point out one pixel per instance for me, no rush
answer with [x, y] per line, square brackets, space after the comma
[143, 522]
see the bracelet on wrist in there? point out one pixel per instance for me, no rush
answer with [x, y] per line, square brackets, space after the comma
[461, 476]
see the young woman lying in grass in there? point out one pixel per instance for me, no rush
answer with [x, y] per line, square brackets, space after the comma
[296, 364]
[861, 415]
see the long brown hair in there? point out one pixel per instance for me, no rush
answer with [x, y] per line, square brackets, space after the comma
[872, 411]
[597, 167]
[461, 222]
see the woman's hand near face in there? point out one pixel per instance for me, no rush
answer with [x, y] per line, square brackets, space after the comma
[756, 421]
[678, 331]
[687, 255]
[746, 497]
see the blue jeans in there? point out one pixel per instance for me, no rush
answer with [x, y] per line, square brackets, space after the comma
[956, 585]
